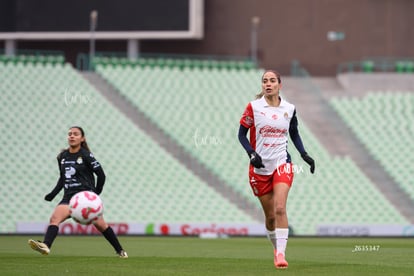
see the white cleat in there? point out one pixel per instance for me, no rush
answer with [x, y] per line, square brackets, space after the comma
[123, 254]
[39, 247]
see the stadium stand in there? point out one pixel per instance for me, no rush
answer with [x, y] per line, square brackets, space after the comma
[200, 108]
[381, 120]
[40, 102]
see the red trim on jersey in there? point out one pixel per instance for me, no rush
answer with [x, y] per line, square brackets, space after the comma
[247, 120]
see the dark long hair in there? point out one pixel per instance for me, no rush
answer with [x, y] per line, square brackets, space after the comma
[279, 80]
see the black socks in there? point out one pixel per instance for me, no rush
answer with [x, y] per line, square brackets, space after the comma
[51, 233]
[113, 240]
[53, 230]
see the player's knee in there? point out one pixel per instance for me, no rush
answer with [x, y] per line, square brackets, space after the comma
[270, 219]
[101, 225]
[280, 211]
[55, 220]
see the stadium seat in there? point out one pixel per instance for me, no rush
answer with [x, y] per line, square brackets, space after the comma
[368, 66]
[41, 102]
[379, 112]
[409, 66]
[400, 66]
[210, 135]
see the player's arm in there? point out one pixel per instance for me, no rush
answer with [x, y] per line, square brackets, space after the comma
[98, 170]
[255, 158]
[100, 180]
[294, 134]
[247, 121]
[59, 185]
[297, 141]
[243, 139]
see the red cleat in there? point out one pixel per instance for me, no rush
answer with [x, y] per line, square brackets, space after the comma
[280, 262]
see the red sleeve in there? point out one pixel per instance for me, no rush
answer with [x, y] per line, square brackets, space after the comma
[247, 119]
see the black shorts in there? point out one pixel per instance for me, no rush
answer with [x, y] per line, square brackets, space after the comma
[65, 200]
[66, 197]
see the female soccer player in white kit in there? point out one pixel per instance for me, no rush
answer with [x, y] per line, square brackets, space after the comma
[270, 120]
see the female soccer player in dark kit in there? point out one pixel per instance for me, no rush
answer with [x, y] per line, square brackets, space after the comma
[270, 120]
[77, 167]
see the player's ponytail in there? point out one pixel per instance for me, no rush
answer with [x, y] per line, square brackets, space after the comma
[85, 146]
[258, 96]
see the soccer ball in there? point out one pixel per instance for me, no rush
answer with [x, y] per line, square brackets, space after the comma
[85, 207]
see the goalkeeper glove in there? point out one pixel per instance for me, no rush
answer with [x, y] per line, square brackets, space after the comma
[310, 161]
[256, 160]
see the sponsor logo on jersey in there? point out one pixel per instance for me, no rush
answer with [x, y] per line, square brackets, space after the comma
[274, 145]
[248, 120]
[79, 160]
[95, 164]
[273, 132]
[69, 172]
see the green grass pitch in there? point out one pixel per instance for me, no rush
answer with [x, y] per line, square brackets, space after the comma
[92, 255]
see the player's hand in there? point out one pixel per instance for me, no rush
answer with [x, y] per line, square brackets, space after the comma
[256, 160]
[310, 162]
[98, 190]
[49, 197]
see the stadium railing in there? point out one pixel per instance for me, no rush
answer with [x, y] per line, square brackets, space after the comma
[34, 56]
[166, 60]
[378, 64]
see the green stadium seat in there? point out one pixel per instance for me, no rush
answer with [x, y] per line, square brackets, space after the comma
[45, 99]
[400, 66]
[210, 136]
[368, 66]
[409, 66]
[380, 112]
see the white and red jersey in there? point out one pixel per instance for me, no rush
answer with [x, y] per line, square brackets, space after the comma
[269, 131]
